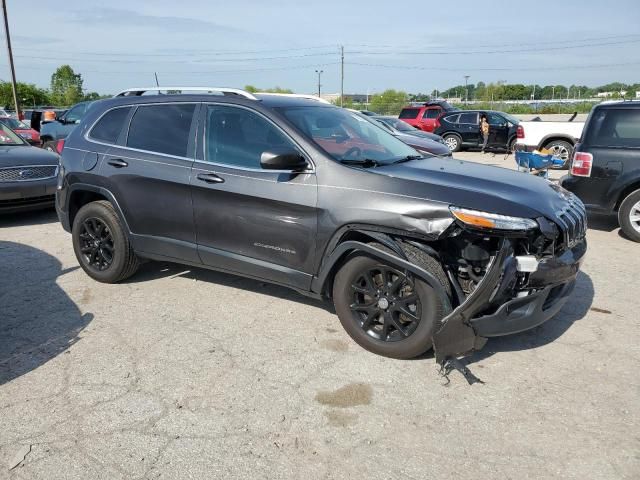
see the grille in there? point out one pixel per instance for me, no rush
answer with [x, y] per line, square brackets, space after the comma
[27, 173]
[572, 220]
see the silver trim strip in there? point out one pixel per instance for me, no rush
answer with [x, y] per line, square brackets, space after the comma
[141, 90]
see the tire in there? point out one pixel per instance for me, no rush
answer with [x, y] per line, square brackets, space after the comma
[453, 141]
[511, 145]
[629, 216]
[50, 146]
[562, 149]
[428, 312]
[98, 235]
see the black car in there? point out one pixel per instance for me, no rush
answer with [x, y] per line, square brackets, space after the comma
[405, 128]
[605, 169]
[413, 251]
[461, 130]
[27, 174]
[423, 142]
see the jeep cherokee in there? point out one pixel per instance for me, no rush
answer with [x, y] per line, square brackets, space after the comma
[415, 252]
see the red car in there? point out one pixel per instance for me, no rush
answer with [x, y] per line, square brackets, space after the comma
[424, 116]
[27, 133]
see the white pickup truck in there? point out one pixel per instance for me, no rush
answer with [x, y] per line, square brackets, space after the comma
[560, 137]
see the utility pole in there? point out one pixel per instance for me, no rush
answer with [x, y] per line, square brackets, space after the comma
[157, 83]
[319, 72]
[13, 70]
[341, 74]
[466, 89]
[553, 92]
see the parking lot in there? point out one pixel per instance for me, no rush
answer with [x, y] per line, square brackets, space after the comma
[188, 373]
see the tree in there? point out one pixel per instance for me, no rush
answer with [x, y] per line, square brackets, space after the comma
[66, 86]
[28, 95]
[389, 102]
[253, 89]
[346, 103]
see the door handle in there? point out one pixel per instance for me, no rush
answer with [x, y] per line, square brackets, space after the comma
[118, 163]
[210, 178]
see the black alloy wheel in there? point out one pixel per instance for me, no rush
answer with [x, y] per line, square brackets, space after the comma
[385, 304]
[96, 244]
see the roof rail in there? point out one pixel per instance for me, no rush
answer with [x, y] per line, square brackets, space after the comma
[296, 95]
[223, 90]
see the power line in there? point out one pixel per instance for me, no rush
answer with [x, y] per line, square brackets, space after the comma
[500, 69]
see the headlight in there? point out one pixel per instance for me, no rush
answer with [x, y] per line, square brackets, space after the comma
[476, 218]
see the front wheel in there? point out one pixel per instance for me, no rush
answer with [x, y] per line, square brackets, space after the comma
[386, 310]
[453, 142]
[101, 245]
[629, 216]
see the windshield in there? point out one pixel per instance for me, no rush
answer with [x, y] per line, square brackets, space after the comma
[9, 137]
[14, 124]
[347, 136]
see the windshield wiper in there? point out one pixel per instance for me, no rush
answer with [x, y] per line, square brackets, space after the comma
[362, 162]
[408, 158]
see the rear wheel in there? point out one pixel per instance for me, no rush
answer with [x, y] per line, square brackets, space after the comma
[629, 216]
[453, 142]
[387, 310]
[562, 149]
[101, 245]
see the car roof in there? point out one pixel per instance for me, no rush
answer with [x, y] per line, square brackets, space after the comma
[620, 103]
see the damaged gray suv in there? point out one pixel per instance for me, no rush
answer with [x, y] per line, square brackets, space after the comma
[414, 251]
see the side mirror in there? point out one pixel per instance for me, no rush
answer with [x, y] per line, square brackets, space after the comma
[282, 159]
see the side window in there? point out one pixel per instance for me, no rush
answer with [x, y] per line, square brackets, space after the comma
[495, 119]
[614, 128]
[431, 113]
[469, 118]
[76, 113]
[237, 137]
[452, 118]
[110, 125]
[409, 113]
[161, 128]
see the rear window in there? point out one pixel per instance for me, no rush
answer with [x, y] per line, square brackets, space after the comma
[162, 128]
[409, 113]
[614, 128]
[110, 125]
[432, 113]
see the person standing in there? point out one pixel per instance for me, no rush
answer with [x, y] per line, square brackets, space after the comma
[484, 130]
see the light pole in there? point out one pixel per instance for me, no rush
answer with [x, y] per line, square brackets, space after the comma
[319, 72]
[466, 89]
[553, 92]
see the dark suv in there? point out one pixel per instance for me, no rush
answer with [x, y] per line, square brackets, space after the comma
[605, 170]
[414, 252]
[461, 130]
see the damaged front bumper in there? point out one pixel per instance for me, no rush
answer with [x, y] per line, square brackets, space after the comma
[467, 328]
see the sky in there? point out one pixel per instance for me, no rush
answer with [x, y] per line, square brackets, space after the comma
[410, 46]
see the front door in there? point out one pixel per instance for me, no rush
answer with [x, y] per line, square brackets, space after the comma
[429, 118]
[259, 223]
[498, 130]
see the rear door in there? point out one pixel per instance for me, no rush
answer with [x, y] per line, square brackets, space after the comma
[612, 136]
[149, 172]
[260, 223]
[429, 118]
[469, 128]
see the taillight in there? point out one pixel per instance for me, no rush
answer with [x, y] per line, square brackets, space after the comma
[520, 132]
[581, 164]
[60, 146]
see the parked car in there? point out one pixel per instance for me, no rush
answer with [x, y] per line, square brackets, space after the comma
[27, 174]
[52, 132]
[407, 129]
[605, 169]
[560, 137]
[414, 252]
[461, 130]
[424, 116]
[27, 133]
[434, 145]
[368, 113]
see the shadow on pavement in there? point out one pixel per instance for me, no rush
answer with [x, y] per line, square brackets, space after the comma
[36, 217]
[156, 270]
[575, 309]
[38, 321]
[603, 223]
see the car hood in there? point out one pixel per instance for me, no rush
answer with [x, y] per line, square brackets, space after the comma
[13, 156]
[479, 187]
[422, 143]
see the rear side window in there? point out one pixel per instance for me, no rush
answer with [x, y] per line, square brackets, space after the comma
[452, 118]
[409, 113]
[469, 118]
[110, 125]
[614, 128]
[162, 128]
[432, 113]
